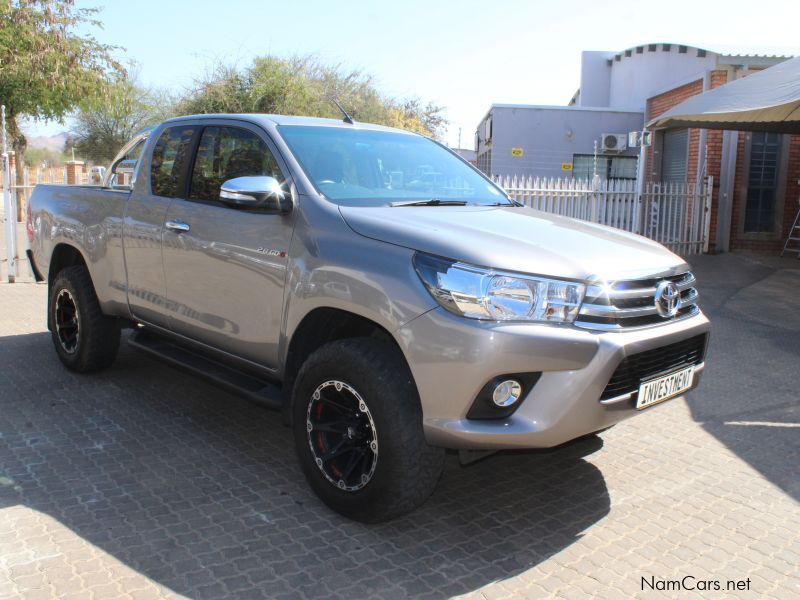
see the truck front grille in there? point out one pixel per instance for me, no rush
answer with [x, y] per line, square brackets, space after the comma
[645, 365]
[625, 304]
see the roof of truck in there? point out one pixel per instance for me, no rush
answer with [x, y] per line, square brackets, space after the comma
[288, 120]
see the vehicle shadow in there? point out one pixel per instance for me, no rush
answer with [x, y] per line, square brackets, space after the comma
[201, 491]
[749, 397]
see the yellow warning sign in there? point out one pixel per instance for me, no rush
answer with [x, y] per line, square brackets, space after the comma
[516, 152]
[566, 166]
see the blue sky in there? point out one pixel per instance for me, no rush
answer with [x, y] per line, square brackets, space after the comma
[463, 55]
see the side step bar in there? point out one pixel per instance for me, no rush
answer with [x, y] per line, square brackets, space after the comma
[257, 390]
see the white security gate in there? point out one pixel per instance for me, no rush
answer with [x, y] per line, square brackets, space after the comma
[674, 214]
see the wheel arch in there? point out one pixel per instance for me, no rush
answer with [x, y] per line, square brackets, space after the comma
[319, 327]
[64, 255]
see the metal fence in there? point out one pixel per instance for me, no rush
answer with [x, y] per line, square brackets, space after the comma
[33, 175]
[674, 214]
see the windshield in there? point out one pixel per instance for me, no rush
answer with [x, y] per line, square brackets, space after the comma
[358, 167]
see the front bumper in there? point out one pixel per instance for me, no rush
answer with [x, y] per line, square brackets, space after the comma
[452, 358]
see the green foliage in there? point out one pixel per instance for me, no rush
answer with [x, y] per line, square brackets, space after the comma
[47, 68]
[305, 86]
[35, 157]
[100, 131]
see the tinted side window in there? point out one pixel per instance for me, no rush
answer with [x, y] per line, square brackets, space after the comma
[169, 156]
[226, 153]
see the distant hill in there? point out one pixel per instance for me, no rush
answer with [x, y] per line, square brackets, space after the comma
[48, 142]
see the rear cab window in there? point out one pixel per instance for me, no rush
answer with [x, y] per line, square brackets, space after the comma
[169, 159]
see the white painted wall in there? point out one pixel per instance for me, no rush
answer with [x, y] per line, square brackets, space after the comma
[630, 81]
[638, 77]
[595, 78]
[550, 135]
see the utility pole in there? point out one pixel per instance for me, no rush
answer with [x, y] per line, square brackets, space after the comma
[9, 205]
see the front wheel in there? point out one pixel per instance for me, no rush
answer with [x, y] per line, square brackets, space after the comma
[358, 431]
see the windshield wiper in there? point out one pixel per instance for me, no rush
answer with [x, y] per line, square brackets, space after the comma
[431, 202]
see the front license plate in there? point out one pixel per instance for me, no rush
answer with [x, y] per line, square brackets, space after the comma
[666, 387]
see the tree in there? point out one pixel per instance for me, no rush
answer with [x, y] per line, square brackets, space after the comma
[100, 131]
[48, 68]
[305, 86]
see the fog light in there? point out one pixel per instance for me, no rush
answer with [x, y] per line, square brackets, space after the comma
[506, 393]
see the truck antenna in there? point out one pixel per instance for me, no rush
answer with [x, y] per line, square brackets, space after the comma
[347, 117]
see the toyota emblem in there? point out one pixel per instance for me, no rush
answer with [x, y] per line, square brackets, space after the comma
[668, 299]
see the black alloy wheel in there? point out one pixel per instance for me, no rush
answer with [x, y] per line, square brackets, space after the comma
[342, 435]
[67, 321]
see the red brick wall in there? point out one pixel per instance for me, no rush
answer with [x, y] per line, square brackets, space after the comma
[714, 158]
[663, 102]
[658, 105]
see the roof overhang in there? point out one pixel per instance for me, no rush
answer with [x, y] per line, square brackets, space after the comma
[764, 101]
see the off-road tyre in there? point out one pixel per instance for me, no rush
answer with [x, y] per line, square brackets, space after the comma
[91, 342]
[373, 373]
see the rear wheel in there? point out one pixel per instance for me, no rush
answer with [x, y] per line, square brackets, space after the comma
[358, 431]
[84, 338]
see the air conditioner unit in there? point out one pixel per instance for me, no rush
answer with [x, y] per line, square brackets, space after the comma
[613, 142]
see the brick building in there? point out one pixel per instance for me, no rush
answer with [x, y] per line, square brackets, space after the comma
[755, 173]
[756, 187]
[615, 87]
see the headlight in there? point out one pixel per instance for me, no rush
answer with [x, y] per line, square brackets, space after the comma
[480, 293]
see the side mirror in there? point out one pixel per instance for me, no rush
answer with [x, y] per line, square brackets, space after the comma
[260, 192]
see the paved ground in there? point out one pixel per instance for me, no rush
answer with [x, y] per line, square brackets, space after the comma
[24, 273]
[142, 482]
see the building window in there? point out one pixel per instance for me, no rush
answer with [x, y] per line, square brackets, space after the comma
[674, 155]
[762, 182]
[652, 47]
[666, 47]
[682, 49]
[484, 162]
[608, 167]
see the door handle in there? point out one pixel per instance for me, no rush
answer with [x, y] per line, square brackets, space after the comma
[177, 226]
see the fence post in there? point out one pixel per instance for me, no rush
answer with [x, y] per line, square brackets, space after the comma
[707, 213]
[595, 197]
[10, 211]
[73, 171]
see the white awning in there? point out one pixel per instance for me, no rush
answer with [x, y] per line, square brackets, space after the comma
[765, 101]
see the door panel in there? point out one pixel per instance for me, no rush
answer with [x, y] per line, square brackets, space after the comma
[145, 213]
[225, 275]
[225, 278]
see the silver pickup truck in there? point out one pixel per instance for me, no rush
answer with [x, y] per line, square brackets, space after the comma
[386, 296]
